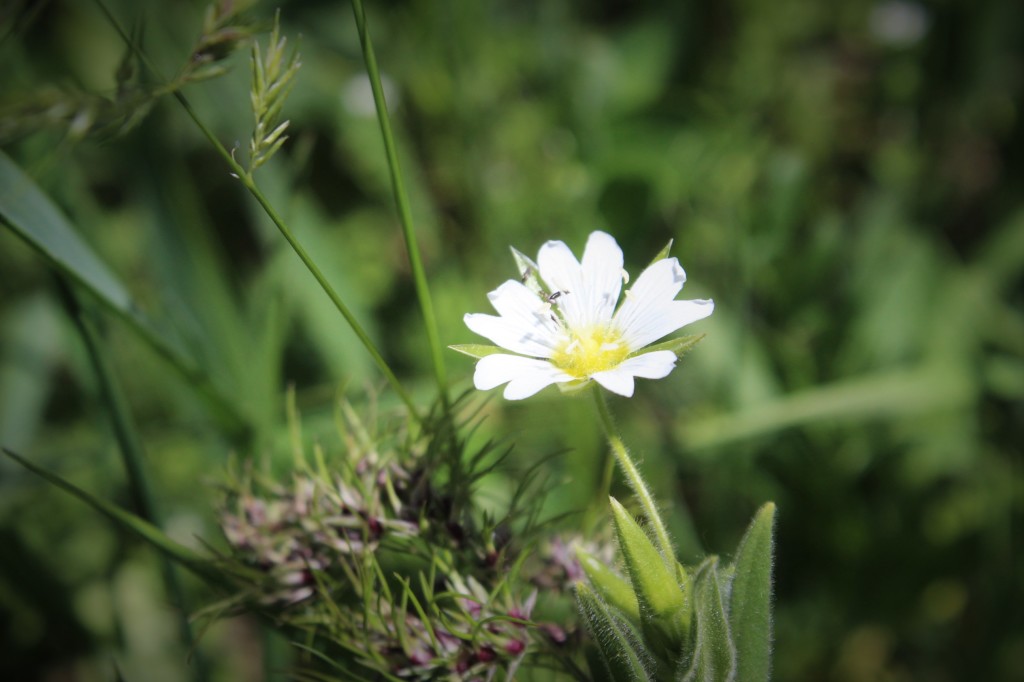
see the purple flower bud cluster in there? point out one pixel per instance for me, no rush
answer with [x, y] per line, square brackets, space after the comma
[383, 560]
[473, 637]
[291, 532]
[559, 569]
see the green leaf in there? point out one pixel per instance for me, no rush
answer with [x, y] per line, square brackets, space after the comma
[32, 215]
[680, 346]
[35, 218]
[477, 350]
[750, 603]
[714, 655]
[612, 587]
[664, 612]
[619, 644]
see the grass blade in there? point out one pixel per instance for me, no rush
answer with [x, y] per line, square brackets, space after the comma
[131, 449]
[35, 219]
[402, 201]
[195, 562]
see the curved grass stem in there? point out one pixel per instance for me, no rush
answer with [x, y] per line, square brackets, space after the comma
[130, 445]
[286, 232]
[402, 202]
[636, 482]
[250, 184]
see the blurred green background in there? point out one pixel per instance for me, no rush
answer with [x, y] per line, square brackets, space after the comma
[844, 179]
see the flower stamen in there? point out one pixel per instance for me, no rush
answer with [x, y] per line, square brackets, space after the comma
[591, 350]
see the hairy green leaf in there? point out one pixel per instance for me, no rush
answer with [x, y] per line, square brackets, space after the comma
[750, 603]
[612, 587]
[619, 644]
[664, 612]
[714, 655]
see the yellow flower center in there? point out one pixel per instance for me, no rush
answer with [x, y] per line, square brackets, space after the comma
[589, 351]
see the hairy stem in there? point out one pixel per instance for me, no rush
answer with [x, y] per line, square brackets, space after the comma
[636, 482]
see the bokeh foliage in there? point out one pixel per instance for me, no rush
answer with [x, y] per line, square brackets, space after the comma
[842, 178]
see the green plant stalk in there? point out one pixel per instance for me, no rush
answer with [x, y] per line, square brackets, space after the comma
[282, 227]
[131, 449]
[636, 482]
[402, 202]
[250, 184]
[146, 531]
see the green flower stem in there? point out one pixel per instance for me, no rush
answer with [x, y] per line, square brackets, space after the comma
[282, 227]
[131, 449]
[402, 202]
[636, 482]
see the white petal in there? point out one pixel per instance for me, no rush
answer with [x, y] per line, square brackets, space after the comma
[520, 306]
[512, 335]
[527, 375]
[649, 311]
[616, 381]
[602, 278]
[654, 365]
[658, 321]
[495, 370]
[515, 301]
[530, 383]
[562, 273]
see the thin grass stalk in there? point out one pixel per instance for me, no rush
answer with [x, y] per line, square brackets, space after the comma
[636, 482]
[304, 256]
[281, 225]
[132, 455]
[402, 203]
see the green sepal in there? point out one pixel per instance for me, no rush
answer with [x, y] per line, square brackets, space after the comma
[714, 654]
[612, 587]
[663, 254]
[529, 273]
[619, 644]
[664, 611]
[476, 350]
[680, 346]
[574, 387]
[750, 603]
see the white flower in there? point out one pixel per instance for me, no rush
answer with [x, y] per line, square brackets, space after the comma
[565, 328]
